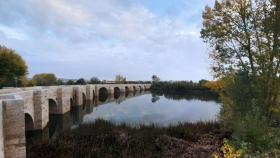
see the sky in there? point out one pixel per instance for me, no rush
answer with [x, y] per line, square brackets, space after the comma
[103, 38]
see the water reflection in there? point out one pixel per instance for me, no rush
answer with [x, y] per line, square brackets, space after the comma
[137, 107]
[155, 98]
[157, 109]
[195, 95]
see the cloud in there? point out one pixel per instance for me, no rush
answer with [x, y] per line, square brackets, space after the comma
[105, 37]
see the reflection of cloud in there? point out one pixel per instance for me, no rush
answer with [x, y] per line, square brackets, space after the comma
[115, 36]
[140, 110]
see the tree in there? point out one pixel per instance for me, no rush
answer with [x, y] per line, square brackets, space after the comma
[13, 69]
[81, 81]
[202, 82]
[44, 79]
[94, 80]
[70, 82]
[120, 79]
[155, 78]
[245, 37]
[59, 82]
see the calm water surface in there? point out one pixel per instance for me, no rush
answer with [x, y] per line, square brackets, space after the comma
[153, 109]
[133, 109]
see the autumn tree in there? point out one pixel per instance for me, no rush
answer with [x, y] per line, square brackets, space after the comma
[13, 69]
[245, 37]
[120, 79]
[44, 79]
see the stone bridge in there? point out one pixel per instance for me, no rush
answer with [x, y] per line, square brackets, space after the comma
[23, 109]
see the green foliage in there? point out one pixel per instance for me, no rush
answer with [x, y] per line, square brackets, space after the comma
[70, 82]
[13, 69]
[178, 86]
[249, 119]
[59, 82]
[44, 79]
[94, 80]
[245, 37]
[81, 81]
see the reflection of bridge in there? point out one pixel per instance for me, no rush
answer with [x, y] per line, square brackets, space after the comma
[59, 123]
[118, 99]
[30, 108]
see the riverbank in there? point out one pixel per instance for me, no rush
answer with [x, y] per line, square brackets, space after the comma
[104, 139]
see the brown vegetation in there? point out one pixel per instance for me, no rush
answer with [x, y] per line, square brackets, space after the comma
[104, 139]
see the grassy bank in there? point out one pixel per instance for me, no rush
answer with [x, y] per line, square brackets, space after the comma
[104, 139]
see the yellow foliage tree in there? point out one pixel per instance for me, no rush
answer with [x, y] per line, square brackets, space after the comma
[13, 69]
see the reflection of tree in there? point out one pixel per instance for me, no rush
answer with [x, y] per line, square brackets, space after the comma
[155, 98]
[192, 95]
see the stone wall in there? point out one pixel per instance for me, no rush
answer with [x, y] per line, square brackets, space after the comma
[1, 130]
[14, 128]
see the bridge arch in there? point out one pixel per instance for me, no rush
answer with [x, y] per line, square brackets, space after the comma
[29, 123]
[52, 106]
[71, 102]
[84, 100]
[117, 92]
[126, 89]
[103, 90]
[140, 88]
[93, 96]
[103, 94]
[134, 88]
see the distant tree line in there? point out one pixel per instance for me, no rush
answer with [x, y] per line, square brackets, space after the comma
[179, 86]
[49, 79]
